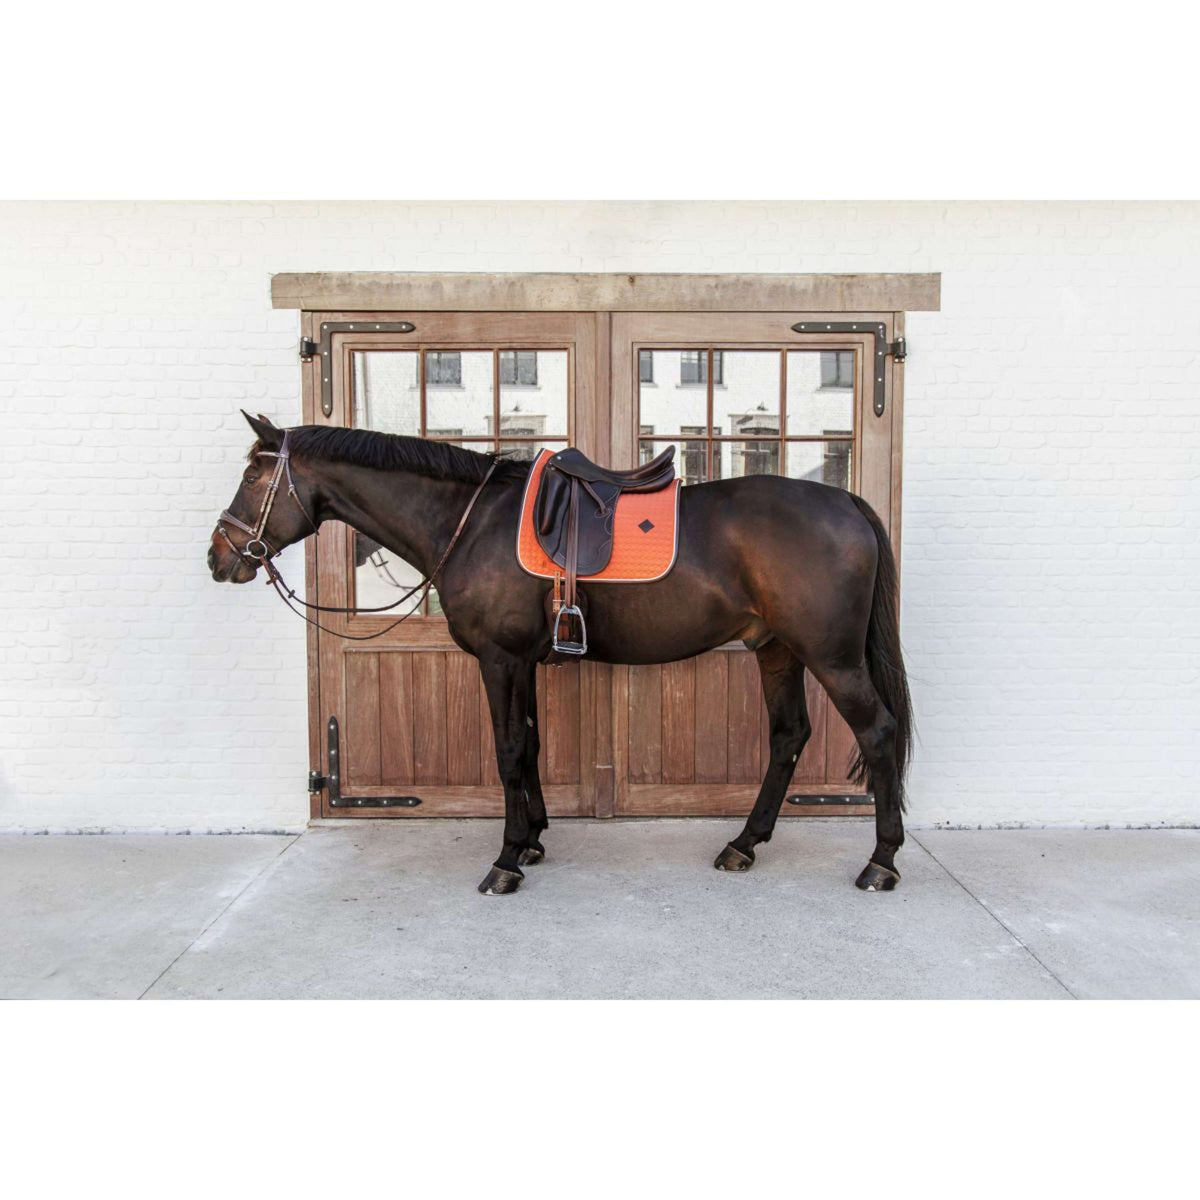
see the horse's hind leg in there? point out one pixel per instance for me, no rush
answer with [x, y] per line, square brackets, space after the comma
[783, 689]
[855, 697]
[534, 852]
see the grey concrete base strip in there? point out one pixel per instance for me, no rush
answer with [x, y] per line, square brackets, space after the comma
[619, 910]
[232, 901]
[99, 917]
[1115, 914]
[911, 837]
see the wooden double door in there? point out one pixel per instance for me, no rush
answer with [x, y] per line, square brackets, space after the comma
[403, 719]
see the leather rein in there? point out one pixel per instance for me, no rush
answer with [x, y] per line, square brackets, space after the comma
[265, 551]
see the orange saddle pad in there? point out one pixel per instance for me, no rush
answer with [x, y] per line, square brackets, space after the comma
[645, 534]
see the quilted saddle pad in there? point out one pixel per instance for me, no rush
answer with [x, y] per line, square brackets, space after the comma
[645, 534]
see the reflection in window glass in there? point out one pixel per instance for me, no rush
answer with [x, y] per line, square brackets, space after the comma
[741, 435]
[380, 576]
[443, 368]
[459, 403]
[667, 405]
[821, 462]
[837, 368]
[691, 458]
[459, 408]
[746, 404]
[387, 392]
[732, 460]
[814, 406]
[536, 405]
[519, 368]
[528, 451]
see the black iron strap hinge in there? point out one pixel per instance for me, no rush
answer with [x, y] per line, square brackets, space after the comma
[897, 349]
[332, 783]
[323, 350]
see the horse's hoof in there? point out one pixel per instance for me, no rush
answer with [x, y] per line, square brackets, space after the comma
[877, 879]
[531, 856]
[732, 859]
[500, 882]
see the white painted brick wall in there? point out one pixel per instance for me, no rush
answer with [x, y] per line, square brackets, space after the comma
[1051, 556]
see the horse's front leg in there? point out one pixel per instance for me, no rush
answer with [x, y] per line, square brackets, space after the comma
[538, 821]
[506, 680]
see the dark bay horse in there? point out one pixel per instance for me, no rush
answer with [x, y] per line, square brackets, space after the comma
[801, 572]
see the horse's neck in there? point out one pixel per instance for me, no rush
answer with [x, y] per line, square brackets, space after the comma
[409, 514]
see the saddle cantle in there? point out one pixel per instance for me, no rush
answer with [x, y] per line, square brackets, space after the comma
[582, 521]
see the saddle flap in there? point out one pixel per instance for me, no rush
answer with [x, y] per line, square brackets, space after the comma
[552, 514]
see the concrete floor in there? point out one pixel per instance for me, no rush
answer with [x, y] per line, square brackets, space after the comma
[619, 909]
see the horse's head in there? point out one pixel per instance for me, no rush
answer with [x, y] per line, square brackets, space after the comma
[267, 512]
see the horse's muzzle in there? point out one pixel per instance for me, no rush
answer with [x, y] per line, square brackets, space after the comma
[226, 566]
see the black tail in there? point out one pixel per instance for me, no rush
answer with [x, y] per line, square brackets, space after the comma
[885, 662]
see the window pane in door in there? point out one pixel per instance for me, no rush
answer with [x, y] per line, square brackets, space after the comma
[533, 393]
[377, 573]
[732, 460]
[822, 462]
[746, 394]
[820, 392]
[387, 391]
[668, 405]
[691, 457]
[528, 451]
[458, 393]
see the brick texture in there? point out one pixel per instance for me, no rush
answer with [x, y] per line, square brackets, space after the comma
[1051, 557]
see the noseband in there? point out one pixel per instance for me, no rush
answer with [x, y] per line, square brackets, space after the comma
[263, 555]
[283, 466]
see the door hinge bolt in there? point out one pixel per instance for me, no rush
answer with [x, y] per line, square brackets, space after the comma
[308, 349]
[898, 349]
[316, 781]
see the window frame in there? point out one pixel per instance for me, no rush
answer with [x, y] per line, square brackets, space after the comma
[781, 441]
[495, 443]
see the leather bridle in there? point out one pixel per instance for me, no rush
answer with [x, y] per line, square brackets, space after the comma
[283, 466]
[265, 552]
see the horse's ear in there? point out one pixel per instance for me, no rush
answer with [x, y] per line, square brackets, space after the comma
[270, 437]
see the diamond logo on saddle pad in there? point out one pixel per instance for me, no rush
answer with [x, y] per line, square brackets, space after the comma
[646, 525]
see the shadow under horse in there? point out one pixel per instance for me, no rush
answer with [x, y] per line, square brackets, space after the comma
[800, 572]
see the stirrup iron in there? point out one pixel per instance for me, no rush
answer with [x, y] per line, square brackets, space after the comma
[565, 646]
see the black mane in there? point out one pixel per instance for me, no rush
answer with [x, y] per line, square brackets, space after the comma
[394, 452]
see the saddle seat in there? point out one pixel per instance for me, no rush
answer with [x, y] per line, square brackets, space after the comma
[573, 517]
[649, 477]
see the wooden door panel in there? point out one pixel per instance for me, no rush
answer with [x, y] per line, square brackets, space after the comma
[420, 720]
[712, 697]
[697, 737]
[743, 719]
[679, 722]
[411, 709]
[396, 708]
[463, 749]
[362, 763]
